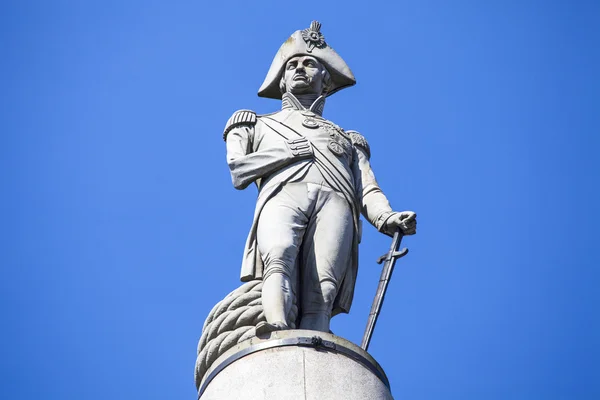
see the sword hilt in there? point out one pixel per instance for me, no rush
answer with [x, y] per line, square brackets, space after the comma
[395, 255]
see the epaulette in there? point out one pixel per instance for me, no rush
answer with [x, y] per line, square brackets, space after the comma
[360, 141]
[240, 117]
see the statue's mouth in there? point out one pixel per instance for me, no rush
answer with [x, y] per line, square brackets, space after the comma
[300, 78]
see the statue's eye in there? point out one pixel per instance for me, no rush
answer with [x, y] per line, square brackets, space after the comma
[291, 66]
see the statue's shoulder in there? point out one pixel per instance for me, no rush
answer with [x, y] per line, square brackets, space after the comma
[247, 118]
[276, 115]
[359, 140]
[239, 118]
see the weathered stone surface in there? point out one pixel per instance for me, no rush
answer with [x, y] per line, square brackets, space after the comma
[297, 372]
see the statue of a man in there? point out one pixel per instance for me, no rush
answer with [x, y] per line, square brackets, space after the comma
[314, 181]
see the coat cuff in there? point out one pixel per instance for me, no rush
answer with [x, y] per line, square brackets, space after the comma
[380, 222]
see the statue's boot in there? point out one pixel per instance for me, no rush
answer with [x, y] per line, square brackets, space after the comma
[264, 327]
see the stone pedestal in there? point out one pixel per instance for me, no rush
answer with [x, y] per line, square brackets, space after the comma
[295, 365]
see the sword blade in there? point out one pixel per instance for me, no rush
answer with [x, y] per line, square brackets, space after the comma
[384, 280]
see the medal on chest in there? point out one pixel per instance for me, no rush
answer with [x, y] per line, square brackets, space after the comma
[339, 144]
[310, 123]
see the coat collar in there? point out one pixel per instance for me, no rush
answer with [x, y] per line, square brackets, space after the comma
[289, 101]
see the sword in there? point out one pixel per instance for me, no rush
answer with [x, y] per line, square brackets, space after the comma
[389, 260]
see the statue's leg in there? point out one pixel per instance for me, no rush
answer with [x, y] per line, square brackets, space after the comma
[280, 231]
[326, 255]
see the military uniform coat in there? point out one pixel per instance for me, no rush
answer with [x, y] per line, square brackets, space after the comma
[258, 151]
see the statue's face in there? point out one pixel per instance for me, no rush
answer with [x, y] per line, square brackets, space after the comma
[304, 75]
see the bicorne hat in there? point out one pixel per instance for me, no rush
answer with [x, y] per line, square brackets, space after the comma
[307, 42]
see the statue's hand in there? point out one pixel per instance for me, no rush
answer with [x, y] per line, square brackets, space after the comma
[300, 148]
[405, 220]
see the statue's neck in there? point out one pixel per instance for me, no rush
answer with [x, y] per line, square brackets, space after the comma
[312, 102]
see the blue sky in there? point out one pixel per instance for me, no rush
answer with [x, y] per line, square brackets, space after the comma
[121, 228]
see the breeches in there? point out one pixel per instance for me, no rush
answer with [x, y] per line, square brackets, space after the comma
[305, 232]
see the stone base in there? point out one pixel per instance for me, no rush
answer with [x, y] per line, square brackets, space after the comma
[295, 365]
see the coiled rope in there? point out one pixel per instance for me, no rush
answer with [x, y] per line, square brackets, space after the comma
[231, 321]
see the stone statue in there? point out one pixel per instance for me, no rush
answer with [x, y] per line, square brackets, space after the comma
[314, 180]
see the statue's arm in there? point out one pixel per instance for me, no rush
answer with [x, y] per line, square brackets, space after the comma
[246, 165]
[375, 206]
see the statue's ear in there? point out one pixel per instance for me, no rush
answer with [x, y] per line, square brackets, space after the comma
[327, 83]
[282, 88]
